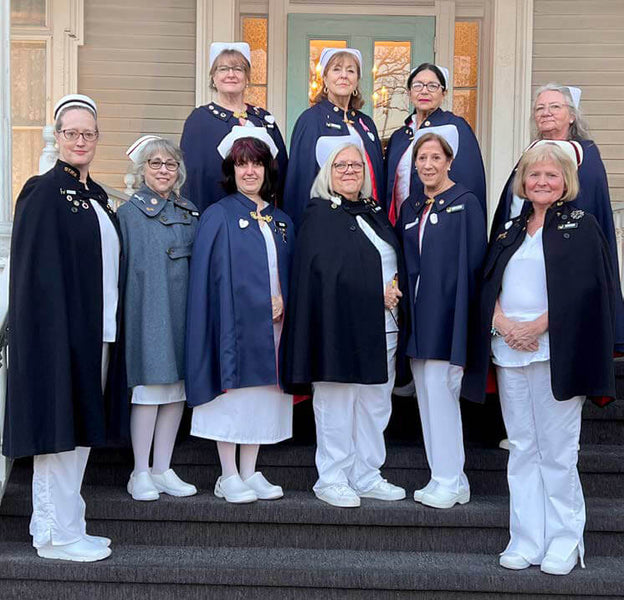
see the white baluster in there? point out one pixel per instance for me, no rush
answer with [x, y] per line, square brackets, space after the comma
[129, 180]
[618, 221]
[49, 154]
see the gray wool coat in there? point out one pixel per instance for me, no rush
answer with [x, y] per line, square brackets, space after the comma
[158, 238]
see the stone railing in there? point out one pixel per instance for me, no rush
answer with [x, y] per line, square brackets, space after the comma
[618, 219]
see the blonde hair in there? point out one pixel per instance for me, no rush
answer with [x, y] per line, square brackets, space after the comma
[355, 101]
[545, 153]
[322, 186]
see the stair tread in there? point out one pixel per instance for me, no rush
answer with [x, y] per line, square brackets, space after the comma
[297, 507]
[277, 567]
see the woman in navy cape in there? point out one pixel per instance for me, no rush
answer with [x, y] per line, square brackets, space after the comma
[443, 231]
[335, 113]
[427, 85]
[206, 126]
[237, 293]
[557, 116]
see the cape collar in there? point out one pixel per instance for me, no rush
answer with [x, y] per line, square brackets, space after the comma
[251, 206]
[70, 176]
[149, 201]
[337, 111]
[442, 201]
[225, 114]
[430, 121]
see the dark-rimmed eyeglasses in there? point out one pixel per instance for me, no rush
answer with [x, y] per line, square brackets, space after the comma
[432, 86]
[343, 167]
[71, 135]
[155, 164]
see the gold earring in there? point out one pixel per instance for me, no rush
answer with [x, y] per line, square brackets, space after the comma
[355, 92]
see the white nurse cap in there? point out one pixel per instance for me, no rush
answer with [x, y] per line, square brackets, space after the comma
[448, 132]
[575, 92]
[327, 53]
[239, 132]
[217, 47]
[134, 151]
[326, 144]
[572, 149]
[77, 100]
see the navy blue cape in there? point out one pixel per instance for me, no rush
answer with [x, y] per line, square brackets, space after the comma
[203, 131]
[593, 198]
[320, 120]
[467, 167]
[55, 399]
[452, 252]
[229, 334]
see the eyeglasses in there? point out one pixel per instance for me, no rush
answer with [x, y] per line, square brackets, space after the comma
[555, 107]
[432, 86]
[71, 135]
[171, 165]
[342, 167]
[222, 70]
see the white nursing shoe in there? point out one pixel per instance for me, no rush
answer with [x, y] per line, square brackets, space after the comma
[264, 489]
[554, 565]
[233, 489]
[441, 498]
[430, 487]
[169, 483]
[97, 539]
[512, 560]
[80, 551]
[141, 487]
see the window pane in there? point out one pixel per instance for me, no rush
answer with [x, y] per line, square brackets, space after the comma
[315, 80]
[390, 97]
[28, 12]
[256, 95]
[28, 82]
[465, 105]
[255, 33]
[466, 63]
[26, 148]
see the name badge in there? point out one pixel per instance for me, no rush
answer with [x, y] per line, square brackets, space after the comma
[457, 208]
[567, 226]
[333, 125]
[410, 225]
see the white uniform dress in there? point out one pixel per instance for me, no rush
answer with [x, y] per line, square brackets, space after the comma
[253, 415]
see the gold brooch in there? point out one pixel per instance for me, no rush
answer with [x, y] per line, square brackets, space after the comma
[258, 217]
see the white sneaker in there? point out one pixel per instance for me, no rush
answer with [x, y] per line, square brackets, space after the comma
[512, 560]
[80, 551]
[553, 565]
[141, 487]
[430, 487]
[385, 491]
[233, 489]
[97, 539]
[263, 488]
[441, 498]
[169, 483]
[339, 495]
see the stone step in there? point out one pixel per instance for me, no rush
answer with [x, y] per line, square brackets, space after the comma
[287, 573]
[292, 466]
[300, 520]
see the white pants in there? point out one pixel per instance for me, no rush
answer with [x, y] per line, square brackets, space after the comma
[438, 385]
[547, 509]
[58, 516]
[350, 421]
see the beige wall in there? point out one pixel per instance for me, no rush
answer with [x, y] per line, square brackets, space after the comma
[581, 43]
[138, 64]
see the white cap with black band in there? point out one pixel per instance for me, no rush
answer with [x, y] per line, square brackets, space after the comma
[77, 101]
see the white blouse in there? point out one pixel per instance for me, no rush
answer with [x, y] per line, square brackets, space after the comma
[110, 272]
[523, 297]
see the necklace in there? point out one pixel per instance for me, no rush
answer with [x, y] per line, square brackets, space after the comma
[240, 115]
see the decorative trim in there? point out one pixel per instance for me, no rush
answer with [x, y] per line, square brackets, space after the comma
[445, 43]
[277, 60]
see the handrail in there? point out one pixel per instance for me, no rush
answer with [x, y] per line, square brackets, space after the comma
[618, 221]
[5, 463]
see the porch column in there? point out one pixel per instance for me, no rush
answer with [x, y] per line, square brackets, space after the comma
[511, 56]
[216, 22]
[5, 203]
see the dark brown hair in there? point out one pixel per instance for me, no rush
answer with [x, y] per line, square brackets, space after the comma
[245, 150]
[428, 137]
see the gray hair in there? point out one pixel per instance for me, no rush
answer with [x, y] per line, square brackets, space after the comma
[322, 186]
[165, 147]
[58, 124]
[579, 129]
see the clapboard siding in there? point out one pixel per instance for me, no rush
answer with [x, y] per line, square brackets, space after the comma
[581, 42]
[138, 63]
